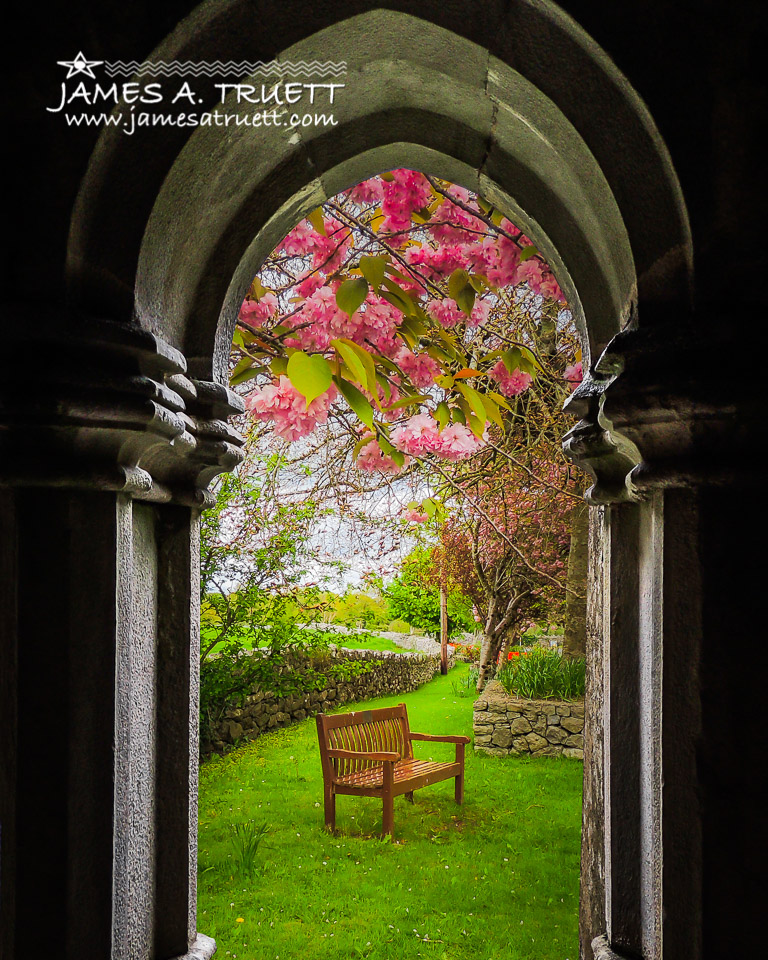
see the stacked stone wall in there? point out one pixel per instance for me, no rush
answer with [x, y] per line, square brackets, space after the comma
[263, 710]
[504, 725]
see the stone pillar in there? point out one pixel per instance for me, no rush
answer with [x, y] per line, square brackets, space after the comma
[104, 470]
[659, 877]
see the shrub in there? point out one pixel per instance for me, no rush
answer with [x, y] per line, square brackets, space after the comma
[543, 675]
[469, 652]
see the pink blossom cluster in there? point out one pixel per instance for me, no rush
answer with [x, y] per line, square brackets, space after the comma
[286, 408]
[511, 384]
[407, 192]
[421, 434]
[320, 320]
[372, 459]
[414, 515]
[458, 225]
[438, 264]
[446, 312]
[420, 368]
[574, 374]
[327, 252]
[369, 191]
[257, 312]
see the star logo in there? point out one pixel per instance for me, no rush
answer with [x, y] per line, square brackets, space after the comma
[80, 65]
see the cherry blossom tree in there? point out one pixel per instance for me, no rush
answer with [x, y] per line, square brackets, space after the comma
[388, 310]
[506, 546]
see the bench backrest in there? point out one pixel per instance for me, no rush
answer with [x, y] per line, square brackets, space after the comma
[375, 731]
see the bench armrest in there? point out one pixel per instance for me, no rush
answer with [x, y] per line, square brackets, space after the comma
[430, 737]
[362, 755]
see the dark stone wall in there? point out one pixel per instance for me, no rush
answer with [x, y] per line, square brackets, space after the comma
[264, 710]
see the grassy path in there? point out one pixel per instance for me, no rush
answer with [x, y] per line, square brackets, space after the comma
[496, 879]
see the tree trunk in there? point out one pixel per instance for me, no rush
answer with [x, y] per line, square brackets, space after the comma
[488, 653]
[575, 638]
[443, 630]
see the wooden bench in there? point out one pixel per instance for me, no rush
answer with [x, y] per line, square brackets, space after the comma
[370, 754]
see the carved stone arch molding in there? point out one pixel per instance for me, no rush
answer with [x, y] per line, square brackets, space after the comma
[127, 425]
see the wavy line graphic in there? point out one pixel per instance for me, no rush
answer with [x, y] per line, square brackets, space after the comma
[268, 69]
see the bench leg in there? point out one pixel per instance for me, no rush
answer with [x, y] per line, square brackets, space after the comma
[458, 792]
[330, 809]
[409, 796]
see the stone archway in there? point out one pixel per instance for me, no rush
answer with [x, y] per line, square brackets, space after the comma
[129, 427]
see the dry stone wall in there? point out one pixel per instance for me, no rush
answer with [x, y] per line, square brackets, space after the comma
[503, 725]
[263, 710]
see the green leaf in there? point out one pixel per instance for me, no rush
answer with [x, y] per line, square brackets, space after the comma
[360, 362]
[411, 401]
[257, 289]
[279, 366]
[372, 268]
[429, 506]
[527, 252]
[351, 294]
[456, 283]
[442, 414]
[476, 425]
[465, 299]
[492, 410]
[457, 415]
[316, 219]
[475, 401]
[402, 300]
[356, 401]
[311, 375]
[512, 359]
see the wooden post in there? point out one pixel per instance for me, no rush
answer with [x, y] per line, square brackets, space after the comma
[443, 629]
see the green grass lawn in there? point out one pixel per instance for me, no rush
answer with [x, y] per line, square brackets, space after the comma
[496, 879]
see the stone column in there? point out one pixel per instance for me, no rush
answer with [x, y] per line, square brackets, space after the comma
[105, 463]
[669, 504]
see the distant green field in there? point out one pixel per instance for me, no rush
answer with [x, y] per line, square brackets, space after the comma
[495, 879]
[350, 641]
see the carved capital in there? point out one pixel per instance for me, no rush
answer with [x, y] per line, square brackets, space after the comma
[101, 405]
[664, 407]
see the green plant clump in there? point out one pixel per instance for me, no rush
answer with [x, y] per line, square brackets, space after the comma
[544, 675]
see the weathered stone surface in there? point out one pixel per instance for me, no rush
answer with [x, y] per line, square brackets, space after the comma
[572, 724]
[556, 735]
[234, 730]
[502, 737]
[493, 751]
[573, 752]
[512, 725]
[535, 742]
[521, 725]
